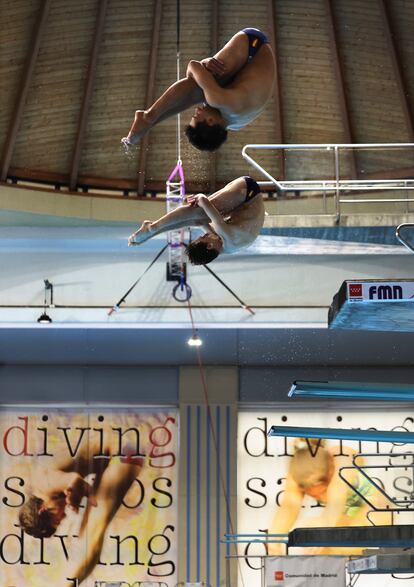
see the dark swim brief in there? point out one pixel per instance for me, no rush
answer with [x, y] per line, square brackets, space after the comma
[256, 40]
[252, 188]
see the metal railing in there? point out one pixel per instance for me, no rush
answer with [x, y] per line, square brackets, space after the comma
[402, 239]
[336, 185]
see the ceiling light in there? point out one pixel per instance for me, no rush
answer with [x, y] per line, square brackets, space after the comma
[44, 319]
[195, 340]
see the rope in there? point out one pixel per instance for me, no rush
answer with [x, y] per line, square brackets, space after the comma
[212, 430]
[243, 305]
[116, 306]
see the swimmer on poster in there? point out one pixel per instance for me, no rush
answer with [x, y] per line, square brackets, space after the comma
[62, 484]
[231, 89]
[231, 219]
[314, 471]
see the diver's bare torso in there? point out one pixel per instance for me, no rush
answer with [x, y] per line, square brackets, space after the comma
[252, 84]
[244, 225]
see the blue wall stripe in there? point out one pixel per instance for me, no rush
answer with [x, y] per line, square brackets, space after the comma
[188, 497]
[218, 496]
[228, 422]
[208, 498]
[198, 492]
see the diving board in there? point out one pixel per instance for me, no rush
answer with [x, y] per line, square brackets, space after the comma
[369, 536]
[342, 434]
[357, 390]
[373, 304]
[383, 563]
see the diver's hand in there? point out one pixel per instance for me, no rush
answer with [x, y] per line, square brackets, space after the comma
[214, 66]
[196, 200]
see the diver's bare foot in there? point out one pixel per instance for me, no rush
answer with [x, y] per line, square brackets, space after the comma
[141, 235]
[139, 128]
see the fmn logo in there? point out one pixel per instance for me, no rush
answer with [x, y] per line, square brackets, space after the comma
[279, 575]
[386, 292]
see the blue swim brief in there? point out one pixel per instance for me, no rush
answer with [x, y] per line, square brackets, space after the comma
[256, 40]
[252, 188]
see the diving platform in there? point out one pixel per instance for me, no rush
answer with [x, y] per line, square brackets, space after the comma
[355, 391]
[342, 434]
[368, 536]
[373, 304]
[383, 563]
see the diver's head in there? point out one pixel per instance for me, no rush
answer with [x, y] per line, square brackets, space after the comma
[204, 249]
[41, 517]
[207, 129]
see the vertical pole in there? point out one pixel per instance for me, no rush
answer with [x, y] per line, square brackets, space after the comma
[337, 206]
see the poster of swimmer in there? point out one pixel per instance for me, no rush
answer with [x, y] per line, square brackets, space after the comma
[88, 496]
[284, 483]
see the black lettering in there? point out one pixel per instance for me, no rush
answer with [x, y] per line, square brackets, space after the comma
[44, 453]
[8, 486]
[246, 553]
[121, 434]
[119, 541]
[68, 444]
[285, 452]
[164, 547]
[279, 493]
[248, 501]
[156, 488]
[10, 539]
[263, 435]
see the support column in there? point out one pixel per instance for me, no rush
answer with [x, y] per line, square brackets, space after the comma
[208, 473]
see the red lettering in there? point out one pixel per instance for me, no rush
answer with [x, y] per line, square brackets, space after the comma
[24, 431]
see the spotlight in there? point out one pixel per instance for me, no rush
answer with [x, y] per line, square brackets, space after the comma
[44, 319]
[195, 340]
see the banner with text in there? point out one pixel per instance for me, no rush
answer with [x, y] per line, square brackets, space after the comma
[88, 496]
[305, 571]
[285, 483]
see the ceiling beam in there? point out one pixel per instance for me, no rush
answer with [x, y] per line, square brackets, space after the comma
[277, 94]
[153, 59]
[215, 9]
[340, 85]
[27, 74]
[402, 86]
[87, 93]
[116, 183]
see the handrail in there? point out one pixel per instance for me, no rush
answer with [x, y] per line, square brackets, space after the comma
[401, 238]
[399, 504]
[335, 184]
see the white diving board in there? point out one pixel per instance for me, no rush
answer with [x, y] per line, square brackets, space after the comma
[382, 305]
